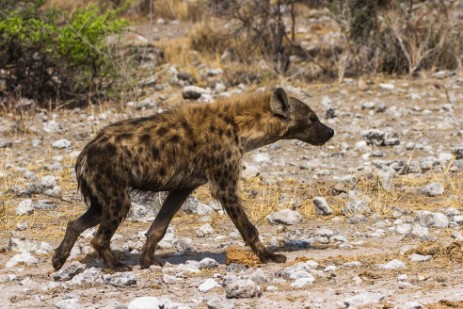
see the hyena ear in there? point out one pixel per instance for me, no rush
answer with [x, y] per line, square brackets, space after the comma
[279, 103]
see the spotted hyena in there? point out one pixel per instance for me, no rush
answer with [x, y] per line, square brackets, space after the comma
[178, 151]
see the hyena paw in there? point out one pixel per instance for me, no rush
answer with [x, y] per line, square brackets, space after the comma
[277, 258]
[118, 266]
[147, 262]
[57, 261]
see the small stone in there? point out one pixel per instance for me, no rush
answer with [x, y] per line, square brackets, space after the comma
[61, 144]
[208, 263]
[207, 285]
[302, 282]
[204, 230]
[194, 206]
[70, 303]
[261, 157]
[432, 189]
[432, 219]
[392, 265]
[391, 142]
[146, 302]
[457, 235]
[25, 207]
[68, 273]
[45, 205]
[352, 264]
[374, 137]
[331, 113]
[330, 268]
[285, 216]
[141, 213]
[217, 303]
[235, 268]
[386, 86]
[403, 228]
[321, 206]
[21, 244]
[55, 191]
[22, 258]
[241, 288]
[21, 226]
[363, 299]
[357, 218]
[420, 231]
[458, 152]
[189, 268]
[419, 258]
[5, 144]
[48, 181]
[214, 72]
[44, 248]
[259, 276]
[52, 127]
[193, 92]
[123, 279]
[300, 270]
[411, 305]
[324, 233]
[357, 204]
[357, 280]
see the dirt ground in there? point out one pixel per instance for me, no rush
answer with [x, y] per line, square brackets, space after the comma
[423, 114]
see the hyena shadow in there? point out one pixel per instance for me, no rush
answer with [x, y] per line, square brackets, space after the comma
[175, 258]
[91, 260]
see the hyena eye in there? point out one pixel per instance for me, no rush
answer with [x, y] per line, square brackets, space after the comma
[313, 118]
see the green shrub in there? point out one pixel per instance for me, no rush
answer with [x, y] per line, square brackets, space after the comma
[51, 54]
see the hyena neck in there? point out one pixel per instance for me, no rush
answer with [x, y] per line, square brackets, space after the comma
[257, 125]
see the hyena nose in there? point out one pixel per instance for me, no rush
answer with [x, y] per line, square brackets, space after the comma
[330, 132]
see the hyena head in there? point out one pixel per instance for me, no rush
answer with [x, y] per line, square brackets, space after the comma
[302, 122]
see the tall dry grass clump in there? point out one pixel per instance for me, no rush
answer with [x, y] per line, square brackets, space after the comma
[399, 37]
[174, 9]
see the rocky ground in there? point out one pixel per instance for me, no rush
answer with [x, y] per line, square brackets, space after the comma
[372, 219]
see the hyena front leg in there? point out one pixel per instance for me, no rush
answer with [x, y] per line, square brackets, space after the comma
[225, 191]
[171, 205]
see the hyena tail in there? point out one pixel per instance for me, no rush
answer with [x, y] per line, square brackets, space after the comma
[89, 219]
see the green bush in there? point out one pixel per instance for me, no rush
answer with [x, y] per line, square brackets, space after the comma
[51, 54]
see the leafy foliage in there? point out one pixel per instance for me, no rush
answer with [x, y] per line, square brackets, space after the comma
[51, 54]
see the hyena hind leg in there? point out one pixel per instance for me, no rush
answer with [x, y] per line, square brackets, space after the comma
[89, 219]
[114, 211]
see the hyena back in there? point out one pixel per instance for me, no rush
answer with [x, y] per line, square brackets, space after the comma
[177, 151]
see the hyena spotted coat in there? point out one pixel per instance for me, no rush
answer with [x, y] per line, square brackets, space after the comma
[178, 151]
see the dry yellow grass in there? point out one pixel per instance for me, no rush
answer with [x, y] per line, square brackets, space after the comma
[179, 9]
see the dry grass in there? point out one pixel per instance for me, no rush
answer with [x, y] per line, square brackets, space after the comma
[402, 194]
[180, 9]
[210, 36]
